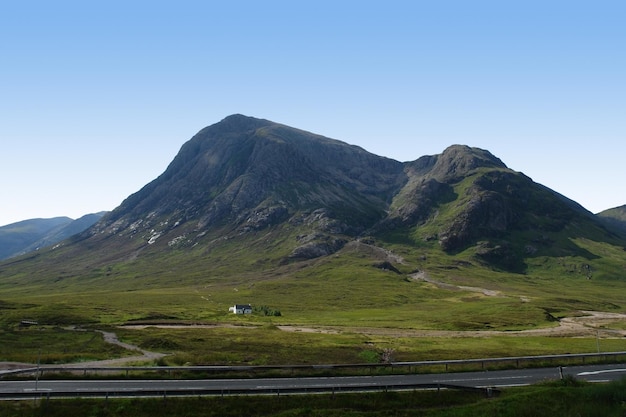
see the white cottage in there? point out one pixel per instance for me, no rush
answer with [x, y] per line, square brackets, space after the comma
[241, 309]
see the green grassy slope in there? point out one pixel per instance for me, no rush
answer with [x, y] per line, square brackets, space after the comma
[350, 287]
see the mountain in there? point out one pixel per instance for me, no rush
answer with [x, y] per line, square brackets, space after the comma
[250, 173]
[615, 218]
[29, 235]
[16, 237]
[250, 196]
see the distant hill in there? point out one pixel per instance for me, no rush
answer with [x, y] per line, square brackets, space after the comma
[28, 235]
[250, 196]
[615, 218]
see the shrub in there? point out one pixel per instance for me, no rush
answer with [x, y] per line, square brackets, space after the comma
[266, 311]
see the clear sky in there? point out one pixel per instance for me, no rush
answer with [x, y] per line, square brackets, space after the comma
[97, 97]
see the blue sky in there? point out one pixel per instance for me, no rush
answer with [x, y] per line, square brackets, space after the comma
[97, 97]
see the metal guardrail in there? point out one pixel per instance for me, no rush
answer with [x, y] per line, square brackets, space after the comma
[516, 359]
[338, 389]
[246, 368]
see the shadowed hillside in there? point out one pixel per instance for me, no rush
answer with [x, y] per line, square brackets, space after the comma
[615, 219]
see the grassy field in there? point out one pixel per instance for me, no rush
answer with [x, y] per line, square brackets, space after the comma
[383, 314]
[363, 308]
[567, 398]
[267, 345]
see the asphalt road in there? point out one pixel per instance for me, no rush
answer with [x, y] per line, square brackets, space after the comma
[515, 377]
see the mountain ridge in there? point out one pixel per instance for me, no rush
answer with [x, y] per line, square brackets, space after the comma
[32, 234]
[290, 196]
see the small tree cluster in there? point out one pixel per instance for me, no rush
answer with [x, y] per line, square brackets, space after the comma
[266, 311]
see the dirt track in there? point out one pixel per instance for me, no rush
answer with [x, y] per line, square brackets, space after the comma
[587, 325]
[111, 338]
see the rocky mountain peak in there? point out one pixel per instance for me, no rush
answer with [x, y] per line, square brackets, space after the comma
[247, 173]
[458, 161]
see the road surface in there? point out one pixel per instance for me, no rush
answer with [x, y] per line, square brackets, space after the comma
[102, 388]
